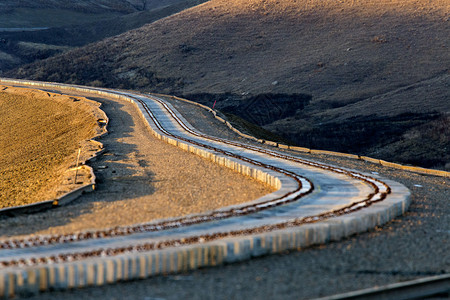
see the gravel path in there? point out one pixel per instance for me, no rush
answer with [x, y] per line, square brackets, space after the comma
[408, 247]
[140, 179]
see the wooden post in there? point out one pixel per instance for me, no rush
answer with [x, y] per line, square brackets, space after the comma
[76, 166]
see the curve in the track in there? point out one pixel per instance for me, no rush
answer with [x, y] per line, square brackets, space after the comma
[278, 212]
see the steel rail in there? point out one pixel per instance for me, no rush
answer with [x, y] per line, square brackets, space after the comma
[120, 231]
[305, 187]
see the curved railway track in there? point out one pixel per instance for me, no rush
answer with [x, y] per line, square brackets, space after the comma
[309, 192]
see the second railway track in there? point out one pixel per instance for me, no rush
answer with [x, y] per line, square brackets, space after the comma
[312, 196]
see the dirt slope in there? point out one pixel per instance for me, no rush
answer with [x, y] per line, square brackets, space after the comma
[40, 135]
[377, 71]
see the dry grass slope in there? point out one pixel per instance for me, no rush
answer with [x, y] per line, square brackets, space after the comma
[39, 134]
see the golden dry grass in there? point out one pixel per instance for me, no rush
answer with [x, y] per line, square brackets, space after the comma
[39, 132]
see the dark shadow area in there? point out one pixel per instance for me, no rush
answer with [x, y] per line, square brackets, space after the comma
[410, 138]
[261, 109]
[419, 139]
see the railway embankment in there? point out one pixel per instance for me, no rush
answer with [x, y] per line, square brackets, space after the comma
[261, 227]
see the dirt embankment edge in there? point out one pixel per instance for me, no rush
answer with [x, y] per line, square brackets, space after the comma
[79, 178]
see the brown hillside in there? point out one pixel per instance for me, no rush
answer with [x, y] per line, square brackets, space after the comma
[377, 71]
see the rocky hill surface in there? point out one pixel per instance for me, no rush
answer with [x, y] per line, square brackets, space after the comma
[373, 75]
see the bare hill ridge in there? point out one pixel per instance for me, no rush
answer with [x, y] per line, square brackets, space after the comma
[92, 6]
[377, 71]
[21, 47]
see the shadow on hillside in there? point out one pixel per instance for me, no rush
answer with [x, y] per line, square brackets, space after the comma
[261, 109]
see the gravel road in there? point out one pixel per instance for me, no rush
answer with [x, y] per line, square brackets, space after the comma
[140, 179]
[412, 246]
